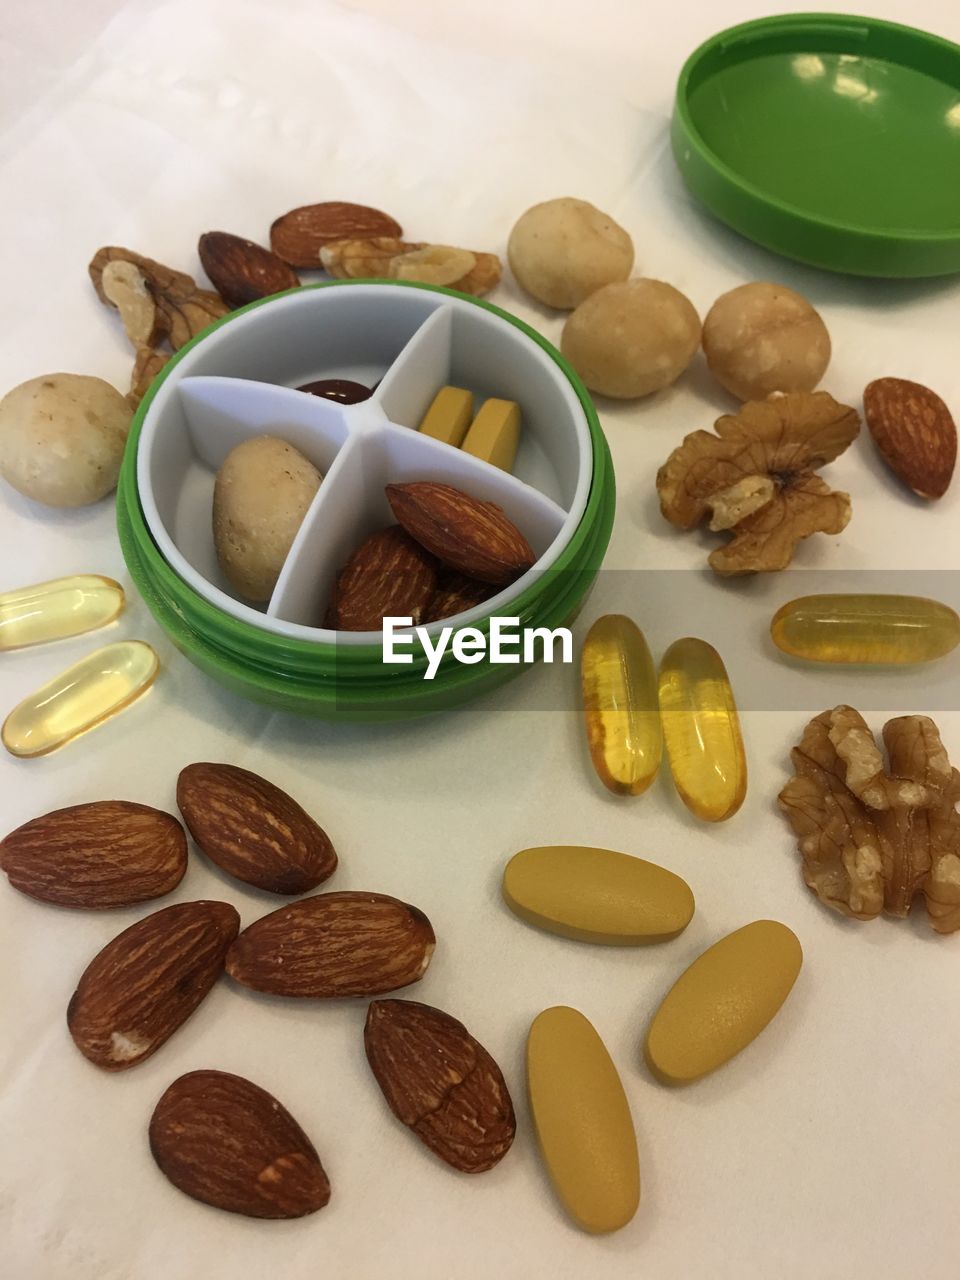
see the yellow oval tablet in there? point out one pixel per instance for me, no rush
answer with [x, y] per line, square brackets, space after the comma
[582, 1121]
[723, 1001]
[597, 895]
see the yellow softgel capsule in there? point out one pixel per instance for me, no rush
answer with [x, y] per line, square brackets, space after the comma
[723, 1001]
[865, 629]
[494, 434]
[597, 895]
[582, 1120]
[620, 706]
[449, 416]
[58, 609]
[701, 730]
[89, 692]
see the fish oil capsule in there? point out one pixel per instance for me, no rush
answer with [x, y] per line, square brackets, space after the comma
[701, 730]
[89, 692]
[495, 433]
[449, 416]
[865, 629]
[619, 685]
[58, 609]
[582, 1121]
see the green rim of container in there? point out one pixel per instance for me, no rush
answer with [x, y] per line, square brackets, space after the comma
[911, 59]
[350, 682]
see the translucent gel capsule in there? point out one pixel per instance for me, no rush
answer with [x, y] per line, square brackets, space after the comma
[57, 609]
[92, 690]
[619, 685]
[865, 629]
[701, 730]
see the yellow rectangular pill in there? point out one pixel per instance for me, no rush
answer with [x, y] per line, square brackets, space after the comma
[495, 433]
[449, 415]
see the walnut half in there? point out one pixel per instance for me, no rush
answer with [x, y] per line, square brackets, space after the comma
[873, 835]
[756, 478]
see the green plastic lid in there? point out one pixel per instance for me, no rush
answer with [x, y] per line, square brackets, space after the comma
[831, 139]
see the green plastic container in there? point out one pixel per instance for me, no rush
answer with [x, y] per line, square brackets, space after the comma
[827, 138]
[237, 380]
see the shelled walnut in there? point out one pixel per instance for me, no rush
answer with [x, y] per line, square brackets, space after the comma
[873, 837]
[390, 258]
[756, 478]
[185, 308]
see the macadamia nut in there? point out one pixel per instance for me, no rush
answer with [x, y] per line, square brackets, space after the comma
[763, 337]
[62, 438]
[563, 250]
[631, 339]
[261, 495]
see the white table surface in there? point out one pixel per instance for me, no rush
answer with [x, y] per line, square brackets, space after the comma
[827, 1149]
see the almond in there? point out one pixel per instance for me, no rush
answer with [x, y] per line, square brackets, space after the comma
[242, 271]
[388, 576]
[229, 1143]
[110, 853]
[464, 533]
[298, 236]
[455, 594]
[252, 830]
[144, 984]
[915, 433]
[334, 944]
[440, 1082]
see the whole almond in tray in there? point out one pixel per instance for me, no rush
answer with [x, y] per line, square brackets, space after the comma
[334, 944]
[455, 594]
[111, 853]
[464, 533]
[252, 830]
[440, 1082]
[388, 576]
[298, 236]
[915, 433]
[242, 271]
[144, 984]
[225, 1141]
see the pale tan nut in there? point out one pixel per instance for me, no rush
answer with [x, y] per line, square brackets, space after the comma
[229, 1143]
[299, 236]
[62, 438]
[756, 478]
[438, 264]
[563, 250]
[146, 366]
[128, 289]
[186, 308]
[875, 834]
[484, 276]
[763, 337]
[440, 1082]
[144, 984]
[915, 433]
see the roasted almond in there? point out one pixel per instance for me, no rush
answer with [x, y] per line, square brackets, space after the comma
[111, 853]
[298, 236]
[334, 944]
[144, 984]
[242, 271]
[227, 1142]
[455, 594]
[388, 576]
[440, 1082]
[464, 533]
[915, 433]
[252, 830]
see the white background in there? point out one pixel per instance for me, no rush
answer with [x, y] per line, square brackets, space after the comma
[826, 1150]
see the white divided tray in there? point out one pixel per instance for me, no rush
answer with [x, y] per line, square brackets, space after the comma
[240, 381]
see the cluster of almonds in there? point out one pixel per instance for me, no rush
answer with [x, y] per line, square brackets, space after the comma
[218, 1137]
[448, 552]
